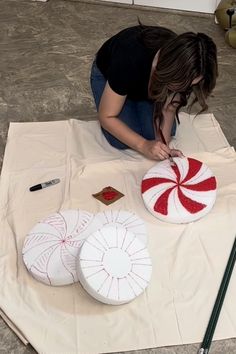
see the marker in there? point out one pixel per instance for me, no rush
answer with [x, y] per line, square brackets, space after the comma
[37, 187]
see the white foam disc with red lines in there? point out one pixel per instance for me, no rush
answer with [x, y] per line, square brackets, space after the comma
[123, 218]
[114, 266]
[51, 247]
[181, 193]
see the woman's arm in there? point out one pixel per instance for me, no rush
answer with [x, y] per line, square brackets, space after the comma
[110, 106]
[168, 121]
[169, 112]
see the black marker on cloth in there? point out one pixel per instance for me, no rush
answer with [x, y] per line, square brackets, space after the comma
[44, 185]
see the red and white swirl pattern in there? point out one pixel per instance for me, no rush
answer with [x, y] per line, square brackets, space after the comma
[51, 247]
[179, 194]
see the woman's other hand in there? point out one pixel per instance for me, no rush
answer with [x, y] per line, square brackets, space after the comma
[155, 150]
[176, 153]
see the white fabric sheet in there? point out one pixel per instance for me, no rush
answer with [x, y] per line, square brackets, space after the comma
[188, 260]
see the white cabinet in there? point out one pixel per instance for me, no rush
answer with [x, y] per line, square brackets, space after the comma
[207, 6]
[121, 1]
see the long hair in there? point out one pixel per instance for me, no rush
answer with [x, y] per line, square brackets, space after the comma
[182, 58]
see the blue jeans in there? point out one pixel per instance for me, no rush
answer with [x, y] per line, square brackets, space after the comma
[138, 115]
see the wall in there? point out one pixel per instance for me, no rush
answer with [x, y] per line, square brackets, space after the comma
[207, 6]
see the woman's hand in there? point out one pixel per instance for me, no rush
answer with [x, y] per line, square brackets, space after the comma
[155, 150]
[176, 153]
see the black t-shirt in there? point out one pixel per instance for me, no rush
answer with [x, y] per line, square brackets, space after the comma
[125, 61]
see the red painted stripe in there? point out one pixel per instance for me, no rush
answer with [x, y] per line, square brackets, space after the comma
[193, 168]
[208, 185]
[161, 205]
[190, 205]
[152, 182]
[176, 171]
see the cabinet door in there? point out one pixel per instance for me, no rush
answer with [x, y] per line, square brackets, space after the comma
[121, 1]
[207, 6]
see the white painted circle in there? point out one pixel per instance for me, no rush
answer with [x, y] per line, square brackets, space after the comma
[51, 247]
[114, 266]
[124, 218]
[117, 262]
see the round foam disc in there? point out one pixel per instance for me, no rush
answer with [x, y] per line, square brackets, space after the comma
[123, 218]
[114, 266]
[51, 247]
[179, 194]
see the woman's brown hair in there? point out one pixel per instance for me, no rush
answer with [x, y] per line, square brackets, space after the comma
[182, 58]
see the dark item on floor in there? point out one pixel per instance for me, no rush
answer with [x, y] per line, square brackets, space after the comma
[205, 346]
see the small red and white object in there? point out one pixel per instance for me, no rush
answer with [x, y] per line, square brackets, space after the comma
[114, 266]
[108, 195]
[51, 247]
[179, 193]
[124, 218]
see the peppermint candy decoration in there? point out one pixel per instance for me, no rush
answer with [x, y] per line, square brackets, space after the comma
[114, 266]
[51, 247]
[181, 193]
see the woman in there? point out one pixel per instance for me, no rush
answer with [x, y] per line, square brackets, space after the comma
[140, 79]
